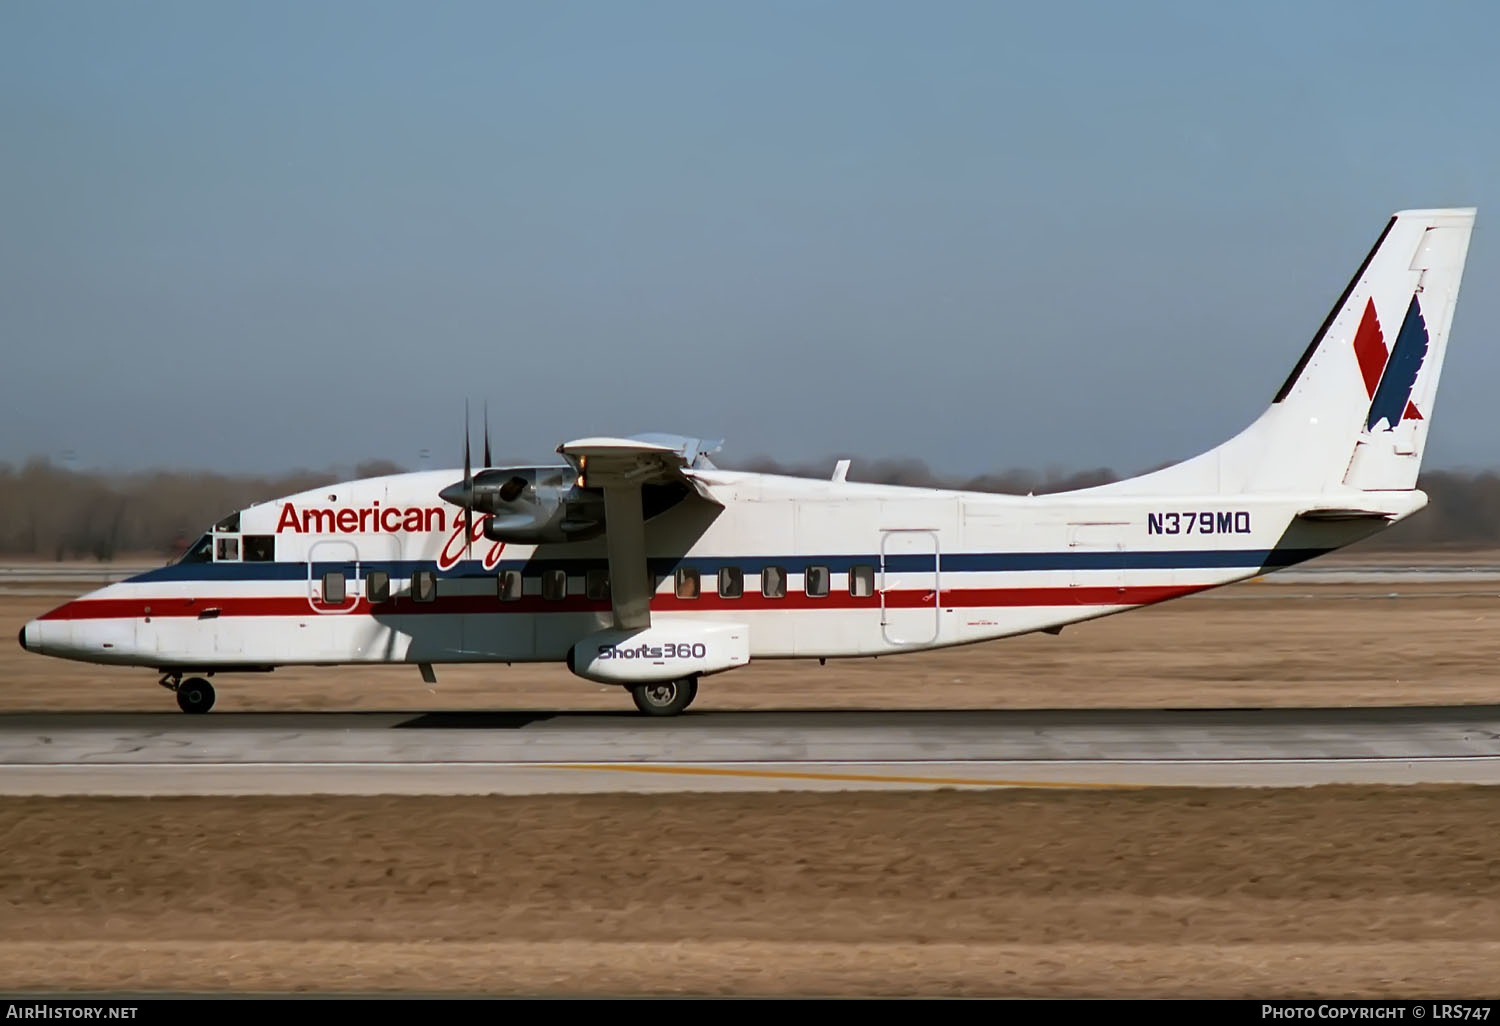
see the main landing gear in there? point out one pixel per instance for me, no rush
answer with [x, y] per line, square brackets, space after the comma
[665, 698]
[194, 695]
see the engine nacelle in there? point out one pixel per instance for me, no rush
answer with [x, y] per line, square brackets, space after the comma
[538, 505]
[667, 650]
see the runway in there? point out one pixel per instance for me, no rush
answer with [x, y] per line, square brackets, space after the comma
[571, 753]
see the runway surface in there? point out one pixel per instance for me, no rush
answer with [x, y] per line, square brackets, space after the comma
[553, 753]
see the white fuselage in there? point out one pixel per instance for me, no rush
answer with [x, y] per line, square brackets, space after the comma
[750, 566]
[810, 569]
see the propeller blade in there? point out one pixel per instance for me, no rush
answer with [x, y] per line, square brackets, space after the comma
[468, 489]
[487, 461]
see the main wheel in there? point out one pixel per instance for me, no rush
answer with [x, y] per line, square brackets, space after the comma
[195, 695]
[665, 698]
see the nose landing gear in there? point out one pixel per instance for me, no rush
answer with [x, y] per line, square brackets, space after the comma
[194, 695]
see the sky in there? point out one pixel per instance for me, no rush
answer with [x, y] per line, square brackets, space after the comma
[261, 236]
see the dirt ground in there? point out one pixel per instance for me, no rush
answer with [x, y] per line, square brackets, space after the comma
[1341, 891]
[1336, 892]
[1253, 644]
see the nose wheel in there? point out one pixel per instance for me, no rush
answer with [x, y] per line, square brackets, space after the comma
[665, 698]
[194, 695]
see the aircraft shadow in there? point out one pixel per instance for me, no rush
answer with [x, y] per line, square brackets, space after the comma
[1483, 720]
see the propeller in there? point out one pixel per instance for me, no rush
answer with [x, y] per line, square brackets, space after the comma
[461, 493]
[468, 491]
[487, 461]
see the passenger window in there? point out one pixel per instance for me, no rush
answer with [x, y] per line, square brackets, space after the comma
[773, 582]
[555, 584]
[596, 584]
[731, 582]
[260, 548]
[228, 550]
[333, 587]
[424, 586]
[378, 586]
[687, 583]
[509, 585]
[862, 581]
[815, 580]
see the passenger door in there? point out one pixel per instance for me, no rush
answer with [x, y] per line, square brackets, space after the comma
[1096, 559]
[910, 586]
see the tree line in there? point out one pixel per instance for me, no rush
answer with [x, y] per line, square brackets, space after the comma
[50, 512]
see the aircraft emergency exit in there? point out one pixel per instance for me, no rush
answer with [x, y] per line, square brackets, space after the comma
[637, 562]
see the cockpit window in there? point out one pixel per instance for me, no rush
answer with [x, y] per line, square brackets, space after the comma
[229, 524]
[202, 551]
[258, 548]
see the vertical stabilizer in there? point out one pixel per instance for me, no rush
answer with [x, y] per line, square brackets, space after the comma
[1354, 412]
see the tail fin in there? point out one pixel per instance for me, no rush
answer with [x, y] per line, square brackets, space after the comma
[1354, 413]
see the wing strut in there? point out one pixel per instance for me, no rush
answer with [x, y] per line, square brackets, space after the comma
[620, 466]
[629, 580]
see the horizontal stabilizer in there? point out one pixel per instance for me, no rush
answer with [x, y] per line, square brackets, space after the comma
[1333, 513]
[1367, 506]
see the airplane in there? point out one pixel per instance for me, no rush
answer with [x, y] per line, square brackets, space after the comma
[635, 561]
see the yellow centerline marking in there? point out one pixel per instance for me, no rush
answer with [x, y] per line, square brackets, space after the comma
[869, 778]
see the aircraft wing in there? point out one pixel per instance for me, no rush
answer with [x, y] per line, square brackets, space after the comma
[620, 466]
[646, 459]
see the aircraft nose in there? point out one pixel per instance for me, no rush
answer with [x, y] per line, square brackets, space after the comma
[29, 637]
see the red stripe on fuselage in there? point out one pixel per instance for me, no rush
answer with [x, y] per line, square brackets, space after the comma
[297, 605]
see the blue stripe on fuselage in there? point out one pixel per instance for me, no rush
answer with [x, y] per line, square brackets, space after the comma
[959, 562]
